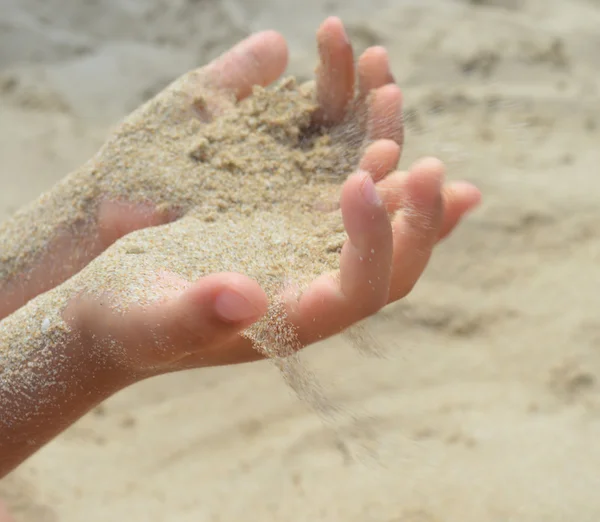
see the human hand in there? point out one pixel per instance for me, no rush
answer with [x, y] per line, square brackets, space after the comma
[402, 247]
[28, 269]
[48, 382]
[392, 226]
[393, 220]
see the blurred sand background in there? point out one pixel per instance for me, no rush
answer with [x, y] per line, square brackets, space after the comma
[488, 407]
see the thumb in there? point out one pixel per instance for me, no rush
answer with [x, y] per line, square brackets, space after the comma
[197, 319]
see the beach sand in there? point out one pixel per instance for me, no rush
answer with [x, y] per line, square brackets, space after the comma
[487, 405]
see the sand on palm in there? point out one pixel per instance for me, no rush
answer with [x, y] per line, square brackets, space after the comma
[247, 187]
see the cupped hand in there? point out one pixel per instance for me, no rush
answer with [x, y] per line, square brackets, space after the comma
[392, 219]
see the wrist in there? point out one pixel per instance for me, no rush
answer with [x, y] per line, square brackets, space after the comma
[49, 379]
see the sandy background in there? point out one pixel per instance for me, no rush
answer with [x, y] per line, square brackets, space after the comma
[488, 406]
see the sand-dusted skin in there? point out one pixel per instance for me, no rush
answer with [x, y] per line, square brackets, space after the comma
[253, 188]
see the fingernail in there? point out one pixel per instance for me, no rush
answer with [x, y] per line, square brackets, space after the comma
[369, 192]
[234, 307]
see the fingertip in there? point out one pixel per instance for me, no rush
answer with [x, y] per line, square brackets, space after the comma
[377, 51]
[234, 298]
[459, 198]
[250, 291]
[234, 306]
[466, 193]
[270, 53]
[373, 70]
[388, 145]
[274, 37]
[328, 33]
[280, 51]
[374, 61]
[428, 169]
[385, 114]
[423, 200]
[258, 60]
[331, 23]
[390, 92]
[380, 158]
[364, 215]
[210, 312]
[358, 191]
[369, 192]
[335, 73]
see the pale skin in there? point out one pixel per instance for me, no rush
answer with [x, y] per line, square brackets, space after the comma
[383, 258]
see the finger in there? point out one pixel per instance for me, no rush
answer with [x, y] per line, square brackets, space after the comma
[333, 303]
[384, 120]
[258, 60]
[366, 257]
[198, 318]
[392, 190]
[380, 158]
[373, 70]
[416, 227]
[212, 89]
[335, 73]
[458, 198]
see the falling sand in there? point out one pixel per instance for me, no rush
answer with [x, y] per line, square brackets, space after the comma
[252, 189]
